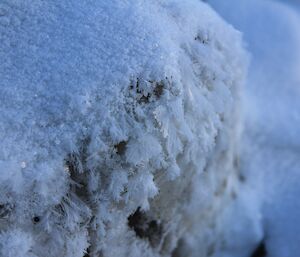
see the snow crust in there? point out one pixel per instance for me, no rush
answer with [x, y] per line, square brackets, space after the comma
[116, 113]
[268, 209]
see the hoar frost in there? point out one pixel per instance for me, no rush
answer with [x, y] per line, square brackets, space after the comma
[118, 127]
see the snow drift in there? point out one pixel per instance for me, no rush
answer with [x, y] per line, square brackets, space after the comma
[269, 200]
[118, 127]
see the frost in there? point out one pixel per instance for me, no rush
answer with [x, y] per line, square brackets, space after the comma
[109, 107]
[15, 243]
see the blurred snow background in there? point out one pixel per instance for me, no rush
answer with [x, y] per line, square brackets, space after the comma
[268, 210]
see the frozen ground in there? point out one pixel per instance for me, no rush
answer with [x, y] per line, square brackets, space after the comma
[270, 159]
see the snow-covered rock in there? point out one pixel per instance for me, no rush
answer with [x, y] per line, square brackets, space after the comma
[119, 125]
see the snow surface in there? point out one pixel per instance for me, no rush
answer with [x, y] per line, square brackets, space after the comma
[116, 109]
[268, 209]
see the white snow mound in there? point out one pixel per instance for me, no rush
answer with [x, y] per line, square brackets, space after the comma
[118, 126]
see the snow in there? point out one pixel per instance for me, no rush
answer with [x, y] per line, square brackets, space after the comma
[268, 209]
[110, 108]
[15, 243]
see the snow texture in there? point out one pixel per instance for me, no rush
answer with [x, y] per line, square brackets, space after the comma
[268, 210]
[119, 127]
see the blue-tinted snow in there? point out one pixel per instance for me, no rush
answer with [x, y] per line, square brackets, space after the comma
[79, 79]
[271, 143]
